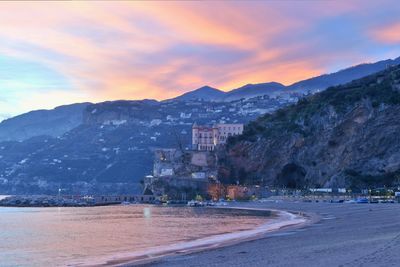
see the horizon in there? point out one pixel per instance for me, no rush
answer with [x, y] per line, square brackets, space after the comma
[51, 58]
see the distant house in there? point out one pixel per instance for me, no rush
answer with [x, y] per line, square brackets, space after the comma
[208, 137]
[185, 115]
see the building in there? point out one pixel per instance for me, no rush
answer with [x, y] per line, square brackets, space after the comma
[208, 137]
[181, 174]
[197, 165]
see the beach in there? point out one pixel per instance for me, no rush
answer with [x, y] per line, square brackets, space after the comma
[81, 236]
[340, 235]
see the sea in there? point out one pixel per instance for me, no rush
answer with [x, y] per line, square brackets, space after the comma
[94, 235]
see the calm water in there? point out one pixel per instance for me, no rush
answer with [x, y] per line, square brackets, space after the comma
[59, 236]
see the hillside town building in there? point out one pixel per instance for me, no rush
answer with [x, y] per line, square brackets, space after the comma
[206, 138]
[183, 174]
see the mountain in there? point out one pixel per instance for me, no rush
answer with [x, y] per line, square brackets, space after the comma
[274, 89]
[342, 76]
[112, 149]
[253, 90]
[204, 93]
[62, 119]
[345, 136]
[108, 147]
[4, 116]
[53, 122]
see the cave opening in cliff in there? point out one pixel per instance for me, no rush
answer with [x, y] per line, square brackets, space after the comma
[292, 176]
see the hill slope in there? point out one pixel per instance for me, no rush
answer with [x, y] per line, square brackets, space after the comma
[112, 150]
[53, 122]
[273, 88]
[345, 136]
[203, 93]
[343, 76]
[62, 119]
[253, 90]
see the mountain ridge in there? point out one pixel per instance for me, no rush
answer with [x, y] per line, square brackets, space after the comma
[52, 122]
[12, 129]
[112, 147]
[312, 84]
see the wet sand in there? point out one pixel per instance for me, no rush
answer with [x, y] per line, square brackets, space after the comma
[275, 221]
[344, 235]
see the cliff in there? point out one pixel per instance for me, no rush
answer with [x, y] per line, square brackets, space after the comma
[347, 136]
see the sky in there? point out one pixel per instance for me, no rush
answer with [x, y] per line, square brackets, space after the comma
[55, 53]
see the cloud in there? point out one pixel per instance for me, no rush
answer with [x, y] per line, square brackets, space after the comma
[389, 34]
[95, 51]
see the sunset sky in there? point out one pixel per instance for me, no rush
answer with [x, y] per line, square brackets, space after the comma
[54, 53]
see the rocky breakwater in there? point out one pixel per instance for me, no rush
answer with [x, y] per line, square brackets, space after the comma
[44, 201]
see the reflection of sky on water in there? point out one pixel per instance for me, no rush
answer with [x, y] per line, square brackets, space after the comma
[147, 213]
[53, 236]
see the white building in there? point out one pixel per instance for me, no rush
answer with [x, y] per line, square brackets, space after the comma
[207, 137]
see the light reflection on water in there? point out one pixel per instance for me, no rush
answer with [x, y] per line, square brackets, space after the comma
[54, 236]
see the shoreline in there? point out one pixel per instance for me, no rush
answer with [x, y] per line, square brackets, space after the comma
[341, 235]
[281, 220]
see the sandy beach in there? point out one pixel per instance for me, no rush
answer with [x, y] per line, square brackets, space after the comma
[343, 235]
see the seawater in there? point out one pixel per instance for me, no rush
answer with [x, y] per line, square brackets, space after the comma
[59, 236]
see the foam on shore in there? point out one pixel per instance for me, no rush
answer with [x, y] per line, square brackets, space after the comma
[283, 219]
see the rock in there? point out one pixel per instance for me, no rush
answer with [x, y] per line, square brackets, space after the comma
[340, 137]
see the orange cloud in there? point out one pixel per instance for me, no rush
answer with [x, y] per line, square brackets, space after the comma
[134, 50]
[390, 34]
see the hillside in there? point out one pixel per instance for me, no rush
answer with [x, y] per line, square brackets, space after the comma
[53, 122]
[345, 136]
[112, 149]
[107, 147]
[253, 90]
[342, 76]
[60, 120]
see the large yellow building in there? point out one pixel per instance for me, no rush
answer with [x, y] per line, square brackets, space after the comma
[208, 137]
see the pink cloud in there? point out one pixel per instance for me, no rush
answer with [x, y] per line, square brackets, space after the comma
[134, 50]
[389, 34]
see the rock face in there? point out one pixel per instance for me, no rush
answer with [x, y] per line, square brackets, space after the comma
[348, 135]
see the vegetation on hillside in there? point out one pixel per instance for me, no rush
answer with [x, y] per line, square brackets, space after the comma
[296, 118]
[344, 135]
